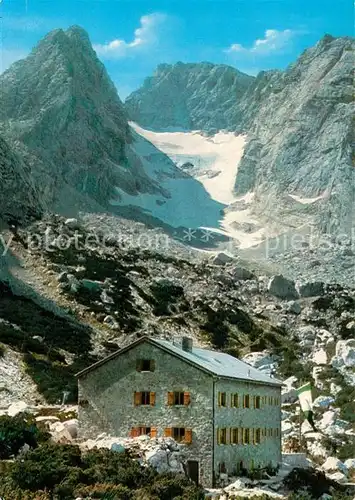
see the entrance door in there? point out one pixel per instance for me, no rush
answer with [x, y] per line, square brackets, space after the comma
[193, 470]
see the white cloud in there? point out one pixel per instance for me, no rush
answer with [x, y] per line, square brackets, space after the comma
[144, 36]
[273, 41]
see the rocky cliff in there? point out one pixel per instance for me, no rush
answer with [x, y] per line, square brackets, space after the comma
[19, 200]
[300, 134]
[298, 123]
[59, 108]
[188, 96]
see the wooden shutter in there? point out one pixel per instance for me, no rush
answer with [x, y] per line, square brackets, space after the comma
[152, 365]
[170, 398]
[134, 432]
[228, 436]
[218, 436]
[139, 365]
[219, 399]
[188, 436]
[152, 399]
[153, 432]
[137, 398]
[187, 398]
[168, 432]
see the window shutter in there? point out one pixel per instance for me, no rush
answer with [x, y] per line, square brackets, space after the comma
[170, 398]
[186, 398]
[188, 436]
[232, 400]
[152, 399]
[228, 436]
[153, 432]
[168, 432]
[139, 365]
[152, 365]
[218, 436]
[134, 432]
[137, 398]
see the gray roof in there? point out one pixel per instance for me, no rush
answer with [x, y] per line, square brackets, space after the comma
[219, 363]
[214, 362]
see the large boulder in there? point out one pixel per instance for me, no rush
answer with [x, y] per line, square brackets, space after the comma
[283, 288]
[344, 354]
[222, 258]
[310, 289]
[319, 357]
[333, 464]
[262, 360]
[241, 274]
[323, 402]
[289, 392]
[16, 408]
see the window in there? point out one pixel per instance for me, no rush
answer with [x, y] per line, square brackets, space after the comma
[180, 434]
[222, 399]
[257, 436]
[222, 468]
[234, 401]
[222, 436]
[179, 398]
[257, 403]
[246, 401]
[145, 365]
[234, 435]
[246, 436]
[144, 398]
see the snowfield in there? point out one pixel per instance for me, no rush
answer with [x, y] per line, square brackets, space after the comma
[215, 158]
[198, 194]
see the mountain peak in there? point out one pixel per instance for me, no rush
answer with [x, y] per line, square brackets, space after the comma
[189, 95]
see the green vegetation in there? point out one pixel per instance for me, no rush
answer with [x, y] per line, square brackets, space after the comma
[63, 472]
[15, 432]
[43, 338]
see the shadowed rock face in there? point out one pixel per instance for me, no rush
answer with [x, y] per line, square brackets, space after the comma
[299, 124]
[188, 96]
[61, 110]
[19, 200]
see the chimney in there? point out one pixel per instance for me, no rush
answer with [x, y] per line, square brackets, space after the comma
[186, 344]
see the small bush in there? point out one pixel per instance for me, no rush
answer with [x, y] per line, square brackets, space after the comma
[169, 486]
[17, 431]
[106, 491]
[46, 467]
[314, 482]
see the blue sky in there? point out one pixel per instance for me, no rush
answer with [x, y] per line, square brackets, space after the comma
[132, 36]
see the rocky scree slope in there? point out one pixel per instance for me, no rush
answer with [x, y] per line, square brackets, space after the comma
[188, 96]
[61, 112]
[112, 293]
